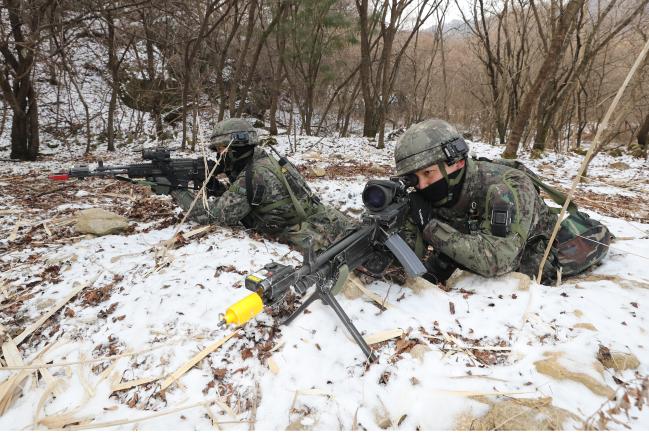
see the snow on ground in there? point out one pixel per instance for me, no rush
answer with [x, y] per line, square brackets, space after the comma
[481, 337]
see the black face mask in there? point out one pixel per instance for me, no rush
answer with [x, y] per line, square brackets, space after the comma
[439, 190]
[235, 161]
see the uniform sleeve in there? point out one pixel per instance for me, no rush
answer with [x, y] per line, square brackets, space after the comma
[486, 253]
[228, 209]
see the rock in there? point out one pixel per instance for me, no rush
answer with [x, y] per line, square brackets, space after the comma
[100, 222]
[419, 350]
[617, 360]
[317, 172]
[619, 165]
[375, 168]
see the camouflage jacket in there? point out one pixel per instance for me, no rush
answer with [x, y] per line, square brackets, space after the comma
[464, 231]
[273, 210]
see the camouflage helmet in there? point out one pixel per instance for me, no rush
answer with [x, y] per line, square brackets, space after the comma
[234, 132]
[426, 143]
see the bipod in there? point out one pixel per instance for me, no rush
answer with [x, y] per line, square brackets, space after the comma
[327, 298]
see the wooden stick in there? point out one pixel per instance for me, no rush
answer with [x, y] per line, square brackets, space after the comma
[131, 383]
[372, 295]
[194, 360]
[9, 212]
[34, 326]
[196, 231]
[8, 387]
[94, 360]
[375, 338]
[149, 417]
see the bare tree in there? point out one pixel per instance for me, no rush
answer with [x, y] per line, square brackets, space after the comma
[18, 46]
[564, 27]
[377, 78]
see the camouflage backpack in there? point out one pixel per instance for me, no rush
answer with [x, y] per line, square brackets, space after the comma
[581, 241]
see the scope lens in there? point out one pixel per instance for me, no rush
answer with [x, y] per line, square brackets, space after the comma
[374, 197]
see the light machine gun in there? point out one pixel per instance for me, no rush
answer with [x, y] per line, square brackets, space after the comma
[373, 245]
[178, 171]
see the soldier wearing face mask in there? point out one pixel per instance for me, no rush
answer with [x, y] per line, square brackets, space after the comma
[265, 194]
[487, 217]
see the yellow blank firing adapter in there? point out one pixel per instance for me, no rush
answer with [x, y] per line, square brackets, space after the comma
[244, 310]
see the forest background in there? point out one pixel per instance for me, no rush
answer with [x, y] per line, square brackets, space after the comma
[521, 73]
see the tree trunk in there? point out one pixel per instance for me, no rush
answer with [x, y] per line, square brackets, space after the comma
[25, 139]
[370, 122]
[643, 133]
[545, 73]
[370, 126]
[3, 121]
[235, 80]
[272, 114]
[112, 66]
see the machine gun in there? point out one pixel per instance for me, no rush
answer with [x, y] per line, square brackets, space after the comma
[373, 245]
[179, 171]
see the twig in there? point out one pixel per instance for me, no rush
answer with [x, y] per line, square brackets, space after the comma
[194, 360]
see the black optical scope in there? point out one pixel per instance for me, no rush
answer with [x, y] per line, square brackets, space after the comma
[378, 194]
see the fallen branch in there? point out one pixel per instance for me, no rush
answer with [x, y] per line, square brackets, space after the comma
[194, 360]
[149, 417]
[375, 338]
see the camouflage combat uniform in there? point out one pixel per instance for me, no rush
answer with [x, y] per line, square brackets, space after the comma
[487, 217]
[280, 206]
[465, 234]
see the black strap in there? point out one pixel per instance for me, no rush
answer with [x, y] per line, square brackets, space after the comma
[248, 171]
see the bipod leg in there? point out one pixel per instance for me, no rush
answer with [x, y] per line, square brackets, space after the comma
[314, 296]
[326, 297]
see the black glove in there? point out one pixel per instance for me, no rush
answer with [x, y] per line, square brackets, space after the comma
[162, 185]
[439, 268]
[420, 210]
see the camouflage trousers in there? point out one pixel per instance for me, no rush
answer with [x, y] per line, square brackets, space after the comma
[580, 243]
[323, 227]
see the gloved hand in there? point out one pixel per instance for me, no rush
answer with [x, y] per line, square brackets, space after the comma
[421, 210]
[161, 186]
[439, 268]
